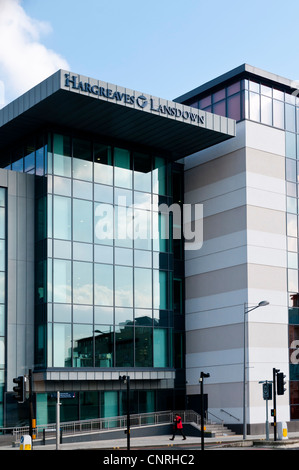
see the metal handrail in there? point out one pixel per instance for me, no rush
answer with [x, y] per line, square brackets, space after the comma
[232, 416]
[107, 424]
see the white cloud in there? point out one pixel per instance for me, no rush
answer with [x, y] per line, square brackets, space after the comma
[24, 60]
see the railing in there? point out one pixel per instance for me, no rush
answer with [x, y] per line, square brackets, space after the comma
[229, 414]
[108, 424]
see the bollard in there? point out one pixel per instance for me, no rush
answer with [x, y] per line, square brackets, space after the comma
[282, 430]
[26, 443]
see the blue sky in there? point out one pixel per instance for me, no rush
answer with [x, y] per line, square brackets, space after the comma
[161, 47]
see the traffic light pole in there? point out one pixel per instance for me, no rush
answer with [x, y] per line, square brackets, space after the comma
[274, 402]
[202, 431]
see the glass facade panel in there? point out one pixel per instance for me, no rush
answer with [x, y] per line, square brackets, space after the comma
[82, 283]
[83, 346]
[266, 110]
[82, 221]
[62, 285]
[122, 170]
[104, 346]
[62, 345]
[143, 288]
[62, 218]
[123, 286]
[103, 284]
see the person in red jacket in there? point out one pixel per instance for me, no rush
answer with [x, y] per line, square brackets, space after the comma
[177, 426]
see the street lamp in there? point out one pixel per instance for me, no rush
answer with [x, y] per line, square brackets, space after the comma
[263, 303]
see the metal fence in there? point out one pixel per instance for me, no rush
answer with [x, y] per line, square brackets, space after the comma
[106, 424]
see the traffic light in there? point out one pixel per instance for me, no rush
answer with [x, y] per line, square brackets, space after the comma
[280, 383]
[19, 389]
[267, 391]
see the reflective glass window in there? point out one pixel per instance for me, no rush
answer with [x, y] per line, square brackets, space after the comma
[123, 286]
[2, 320]
[62, 186]
[104, 345]
[290, 118]
[142, 230]
[267, 91]
[290, 145]
[143, 347]
[204, 102]
[103, 284]
[82, 345]
[62, 345]
[123, 316]
[103, 254]
[220, 108]
[291, 171]
[103, 170]
[103, 315]
[2, 222]
[291, 225]
[61, 155]
[266, 110]
[82, 152]
[292, 280]
[219, 95]
[143, 258]
[232, 89]
[143, 288]
[82, 190]
[278, 114]
[293, 260]
[254, 86]
[234, 107]
[292, 205]
[143, 317]
[160, 289]
[124, 346]
[2, 197]
[122, 170]
[62, 281]
[2, 287]
[142, 172]
[62, 217]
[2, 255]
[82, 283]
[292, 244]
[124, 256]
[104, 223]
[82, 220]
[160, 176]
[142, 200]
[39, 164]
[160, 347]
[103, 193]
[254, 107]
[18, 165]
[62, 249]
[62, 313]
[82, 251]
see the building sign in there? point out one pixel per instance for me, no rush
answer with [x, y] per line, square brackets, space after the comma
[139, 101]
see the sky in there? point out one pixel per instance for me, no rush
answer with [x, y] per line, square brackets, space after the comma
[163, 48]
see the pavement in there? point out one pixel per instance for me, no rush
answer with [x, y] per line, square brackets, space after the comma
[148, 443]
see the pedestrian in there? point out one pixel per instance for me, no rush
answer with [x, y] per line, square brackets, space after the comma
[177, 426]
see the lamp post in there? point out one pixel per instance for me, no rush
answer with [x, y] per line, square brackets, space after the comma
[263, 303]
[126, 379]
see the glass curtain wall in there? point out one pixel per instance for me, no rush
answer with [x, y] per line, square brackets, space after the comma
[109, 256]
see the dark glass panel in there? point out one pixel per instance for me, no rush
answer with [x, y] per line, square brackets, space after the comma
[234, 107]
